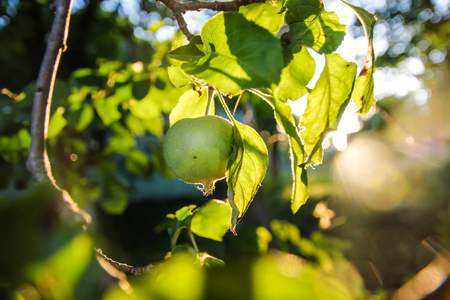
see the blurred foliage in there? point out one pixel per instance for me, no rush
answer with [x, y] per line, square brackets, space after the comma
[110, 110]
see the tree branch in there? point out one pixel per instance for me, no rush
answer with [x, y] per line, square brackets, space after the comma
[180, 8]
[124, 267]
[38, 162]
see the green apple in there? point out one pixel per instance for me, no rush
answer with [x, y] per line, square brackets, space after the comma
[197, 150]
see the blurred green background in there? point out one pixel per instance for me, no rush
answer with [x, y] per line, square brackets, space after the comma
[377, 222]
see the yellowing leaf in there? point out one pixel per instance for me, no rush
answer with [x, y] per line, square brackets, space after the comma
[191, 104]
[364, 85]
[212, 220]
[246, 169]
[295, 76]
[326, 103]
[264, 14]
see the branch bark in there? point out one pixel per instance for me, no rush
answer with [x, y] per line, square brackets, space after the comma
[178, 9]
[38, 162]
[124, 267]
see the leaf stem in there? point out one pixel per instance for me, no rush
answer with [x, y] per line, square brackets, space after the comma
[224, 104]
[262, 96]
[191, 235]
[210, 92]
[175, 236]
[237, 103]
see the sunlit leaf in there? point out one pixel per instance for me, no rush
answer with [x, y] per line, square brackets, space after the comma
[178, 77]
[86, 117]
[57, 123]
[238, 54]
[246, 169]
[310, 25]
[264, 14]
[364, 85]
[300, 191]
[191, 52]
[285, 119]
[264, 238]
[15, 146]
[207, 260]
[108, 109]
[191, 104]
[134, 124]
[64, 268]
[87, 77]
[163, 93]
[300, 10]
[184, 212]
[367, 19]
[323, 33]
[295, 76]
[326, 103]
[122, 140]
[146, 108]
[178, 278]
[285, 231]
[212, 220]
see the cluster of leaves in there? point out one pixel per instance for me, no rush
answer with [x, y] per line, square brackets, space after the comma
[106, 127]
[274, 274]
[263, 49]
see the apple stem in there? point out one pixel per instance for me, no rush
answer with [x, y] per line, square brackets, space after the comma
[208, 187]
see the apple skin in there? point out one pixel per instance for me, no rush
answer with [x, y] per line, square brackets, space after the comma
[197, 149]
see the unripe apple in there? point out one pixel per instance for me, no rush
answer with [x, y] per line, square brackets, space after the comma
[197, 150]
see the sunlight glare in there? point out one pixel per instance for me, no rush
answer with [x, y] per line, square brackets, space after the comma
[368, 173]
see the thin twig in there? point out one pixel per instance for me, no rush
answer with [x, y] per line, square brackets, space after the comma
[180, 8]
[124, 267]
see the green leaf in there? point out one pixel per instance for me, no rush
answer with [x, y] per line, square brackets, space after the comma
[163, 94]
[326, 103]
[12, 147]
[300, 10]
[191, 52]
[146, 108]
[86, 117]
[207, 260]
[134, 124]
[364, 85]
[57, 123]
[141, 87]
[108, 109]
[363, 92]
[367, 19]
[239, 54]
[212, 220]
[295, 76]
[88, 77]
[121, 142]
[191, 104]
[322, 33]
[246, 169]
[300, 191]
[114, 197]
[283, 115]
[137, 162]
[264, 15]
[178, 77]
[184, 212]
